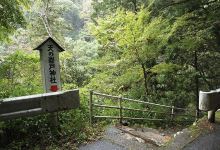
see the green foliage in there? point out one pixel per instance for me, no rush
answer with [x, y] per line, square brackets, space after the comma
[48, 17]
[17, 70]
[150, 50]
[132, 44]
[35, 132]
[106, 7]
[164, 68]
[30, 133]
[75, 62]
[162, 48]
[11, 17]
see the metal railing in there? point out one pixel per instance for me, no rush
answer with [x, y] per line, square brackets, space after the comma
[32, 105]
[119, 107]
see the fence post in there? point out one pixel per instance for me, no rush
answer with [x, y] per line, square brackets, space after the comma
[120, 109]
[172, 113]
[91, 108]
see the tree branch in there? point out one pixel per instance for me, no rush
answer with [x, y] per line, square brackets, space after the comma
[185, 1]
[175, 3]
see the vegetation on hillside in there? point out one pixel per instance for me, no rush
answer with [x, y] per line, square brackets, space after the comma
[162, 51]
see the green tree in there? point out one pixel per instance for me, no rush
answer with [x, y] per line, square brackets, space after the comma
[189, 39]
[106, 7]
[194, 45]
[11, 17]
[75, 62]
[134, 39]
[17, 80]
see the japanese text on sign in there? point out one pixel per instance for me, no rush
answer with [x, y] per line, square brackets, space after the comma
[52, 66]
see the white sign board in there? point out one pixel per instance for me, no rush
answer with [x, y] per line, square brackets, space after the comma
[50, 66]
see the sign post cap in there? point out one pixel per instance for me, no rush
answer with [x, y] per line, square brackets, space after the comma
[60, 49]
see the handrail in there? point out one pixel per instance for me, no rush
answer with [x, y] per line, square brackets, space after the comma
[126, 108]
[117, 117]
[138, 101]
[120, 108]
[106, 106]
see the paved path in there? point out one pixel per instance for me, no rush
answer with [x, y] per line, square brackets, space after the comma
[209, 141]
[115, 139]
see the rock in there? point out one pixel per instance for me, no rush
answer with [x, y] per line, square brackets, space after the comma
[148, 137]
[140, 140]
[195, 123]
[124, 123]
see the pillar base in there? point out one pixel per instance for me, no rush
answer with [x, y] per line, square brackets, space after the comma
[211, 116]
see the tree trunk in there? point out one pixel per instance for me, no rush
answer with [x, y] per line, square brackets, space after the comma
[135, 5]
[197, 84]
[145, 78]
